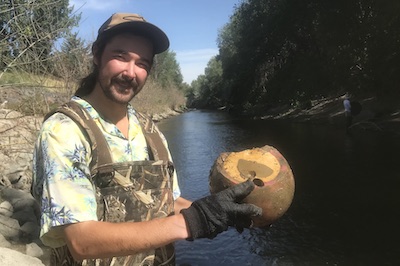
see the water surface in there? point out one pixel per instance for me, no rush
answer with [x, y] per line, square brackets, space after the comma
[346, 205]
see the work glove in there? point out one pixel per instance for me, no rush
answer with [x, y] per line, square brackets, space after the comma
[209, 216]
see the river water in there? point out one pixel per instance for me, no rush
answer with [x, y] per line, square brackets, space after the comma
[346, 205]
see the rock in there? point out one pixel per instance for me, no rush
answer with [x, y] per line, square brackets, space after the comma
[11, 257]
[6, 209]
[8, 113]
[30, 231]
[25, 215]
[23, 223]
[4, 181]
[18, 209]
[17, 139]
[3, 242]
[34, 250]
[20, 176]
[9, 227]
[20, 200]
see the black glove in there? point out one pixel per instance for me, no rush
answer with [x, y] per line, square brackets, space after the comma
[209, 216]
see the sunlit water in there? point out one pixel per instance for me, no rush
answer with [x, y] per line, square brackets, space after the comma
[346, 205]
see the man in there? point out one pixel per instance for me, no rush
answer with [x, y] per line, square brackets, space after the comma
[92, 215]
[347, 111]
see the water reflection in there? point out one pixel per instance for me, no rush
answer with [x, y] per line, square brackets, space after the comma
[346, 202]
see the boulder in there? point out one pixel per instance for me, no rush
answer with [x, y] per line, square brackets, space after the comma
[20, 199]
[34, 250]
[6, 209]
[9, 228]
[11, 257]
[4, 243]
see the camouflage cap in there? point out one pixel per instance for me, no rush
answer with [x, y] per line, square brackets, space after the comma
[127, 22]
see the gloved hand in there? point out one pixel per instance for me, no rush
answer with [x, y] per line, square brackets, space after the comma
[209, 216]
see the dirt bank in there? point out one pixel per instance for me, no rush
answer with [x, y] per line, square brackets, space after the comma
[375, 115]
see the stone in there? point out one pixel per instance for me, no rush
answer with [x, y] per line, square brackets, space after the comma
[20, 176]
[3, 242]
[4, 179]
[30, 230]
[9, 227]
[11, 257]
[6, 209]
[20, 200]
[25, 215]
[34, 250]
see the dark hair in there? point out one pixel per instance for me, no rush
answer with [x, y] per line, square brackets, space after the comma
[87, 84]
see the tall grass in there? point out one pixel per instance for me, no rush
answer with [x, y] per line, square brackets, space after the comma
[23, 79]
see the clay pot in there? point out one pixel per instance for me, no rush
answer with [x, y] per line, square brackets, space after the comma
[269, 171]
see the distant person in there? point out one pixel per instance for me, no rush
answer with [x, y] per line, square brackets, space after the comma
[347, 111]
[129, 211]
[351, 109]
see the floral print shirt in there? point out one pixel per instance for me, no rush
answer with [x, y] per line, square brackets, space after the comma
[61, 172]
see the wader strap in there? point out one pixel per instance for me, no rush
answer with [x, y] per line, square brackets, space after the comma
[153, 138]
[101, 154]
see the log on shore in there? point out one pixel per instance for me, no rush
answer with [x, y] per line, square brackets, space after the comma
[269, 171]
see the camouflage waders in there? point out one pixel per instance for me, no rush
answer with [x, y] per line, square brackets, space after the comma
[130, 191]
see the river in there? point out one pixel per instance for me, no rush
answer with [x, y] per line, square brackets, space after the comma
[346, 205]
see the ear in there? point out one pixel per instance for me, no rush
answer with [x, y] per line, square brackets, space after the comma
[95, 50]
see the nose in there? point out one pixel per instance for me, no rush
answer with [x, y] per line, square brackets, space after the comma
[130, 69]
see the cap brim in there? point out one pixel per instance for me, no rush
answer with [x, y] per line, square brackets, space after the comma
[156, 35]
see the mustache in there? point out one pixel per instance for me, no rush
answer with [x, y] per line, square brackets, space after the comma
[125, 81]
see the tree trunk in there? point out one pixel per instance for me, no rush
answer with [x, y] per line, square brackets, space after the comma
[269, 171]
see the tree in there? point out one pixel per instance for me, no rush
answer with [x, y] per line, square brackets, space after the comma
[29, 30]
[73, 61]
[285, 51]
[166, 70]
[207, 90]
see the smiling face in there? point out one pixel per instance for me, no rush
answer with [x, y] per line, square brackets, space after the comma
[123, 67]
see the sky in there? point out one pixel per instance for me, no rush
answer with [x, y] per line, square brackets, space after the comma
[191, 25]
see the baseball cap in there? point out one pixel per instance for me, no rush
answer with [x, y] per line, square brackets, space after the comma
[127, 22]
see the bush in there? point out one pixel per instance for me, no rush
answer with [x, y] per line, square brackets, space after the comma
[155, 99]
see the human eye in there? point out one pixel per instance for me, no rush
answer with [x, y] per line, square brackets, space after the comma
[143, 64]
[119, 55]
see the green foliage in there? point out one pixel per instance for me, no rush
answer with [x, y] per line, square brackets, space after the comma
[28, 31]
[73, 61]
[74, 47]
[275, 52]
[166, 69]
[206, 90]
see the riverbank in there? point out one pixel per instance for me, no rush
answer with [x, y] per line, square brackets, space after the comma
[375, 115]
[18, 133]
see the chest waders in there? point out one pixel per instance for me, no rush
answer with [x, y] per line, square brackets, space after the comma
[125, 192]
